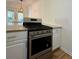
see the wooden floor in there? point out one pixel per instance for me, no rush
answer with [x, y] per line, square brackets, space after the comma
[59, 54]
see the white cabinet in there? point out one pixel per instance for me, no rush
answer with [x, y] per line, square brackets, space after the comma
[16, 45]
[56, 38]
[14, 36]
[17, 51]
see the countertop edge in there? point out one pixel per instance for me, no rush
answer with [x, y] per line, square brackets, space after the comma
[18, 30]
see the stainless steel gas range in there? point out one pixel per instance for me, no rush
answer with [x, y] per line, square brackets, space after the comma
[39, 38]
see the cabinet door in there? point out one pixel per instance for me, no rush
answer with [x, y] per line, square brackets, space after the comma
[18, 51]
[56, 38]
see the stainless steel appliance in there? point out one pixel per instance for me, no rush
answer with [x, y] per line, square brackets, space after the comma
[39, 38]
[40, 42]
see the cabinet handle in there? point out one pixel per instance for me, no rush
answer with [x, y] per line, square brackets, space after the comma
[11, 37]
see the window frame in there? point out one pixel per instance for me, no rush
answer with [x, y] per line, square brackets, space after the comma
[20, 23]
[8, 21]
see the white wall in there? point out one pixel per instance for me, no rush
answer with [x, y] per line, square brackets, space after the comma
[59, 12]
[34, 10]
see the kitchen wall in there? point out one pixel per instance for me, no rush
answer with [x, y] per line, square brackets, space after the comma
[34, 10]
[59, 12]
[39, 9]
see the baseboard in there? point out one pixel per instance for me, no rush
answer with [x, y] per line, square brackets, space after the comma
[66, 51]
[56, 49]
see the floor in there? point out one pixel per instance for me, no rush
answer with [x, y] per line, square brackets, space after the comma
[59, 54]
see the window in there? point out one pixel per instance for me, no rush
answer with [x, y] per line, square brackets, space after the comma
[10, 17]
[20, 18]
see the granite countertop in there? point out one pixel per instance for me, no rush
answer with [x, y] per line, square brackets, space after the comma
[16, 29]
[55, 26]
[21, 28]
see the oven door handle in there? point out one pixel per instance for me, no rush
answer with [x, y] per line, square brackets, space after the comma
[40, 36]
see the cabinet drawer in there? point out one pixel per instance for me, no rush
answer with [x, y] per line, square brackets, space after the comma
[16, 42]
[13, 36]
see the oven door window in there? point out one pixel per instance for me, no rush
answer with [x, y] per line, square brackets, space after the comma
[40, 44]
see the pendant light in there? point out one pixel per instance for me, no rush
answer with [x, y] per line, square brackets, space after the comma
[21, 9]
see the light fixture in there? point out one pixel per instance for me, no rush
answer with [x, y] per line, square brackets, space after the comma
[21, 9]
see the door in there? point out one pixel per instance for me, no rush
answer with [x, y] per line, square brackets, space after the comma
[17, 51]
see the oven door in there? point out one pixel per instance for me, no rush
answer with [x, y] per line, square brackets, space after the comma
[40, 43]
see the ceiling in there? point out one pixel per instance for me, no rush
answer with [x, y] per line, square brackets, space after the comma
[24, 3]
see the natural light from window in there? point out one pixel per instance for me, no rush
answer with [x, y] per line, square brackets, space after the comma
[10, 17]
[20, 18]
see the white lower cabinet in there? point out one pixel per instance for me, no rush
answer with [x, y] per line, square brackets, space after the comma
[56, 38]
[17, 51]
[16, 45]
